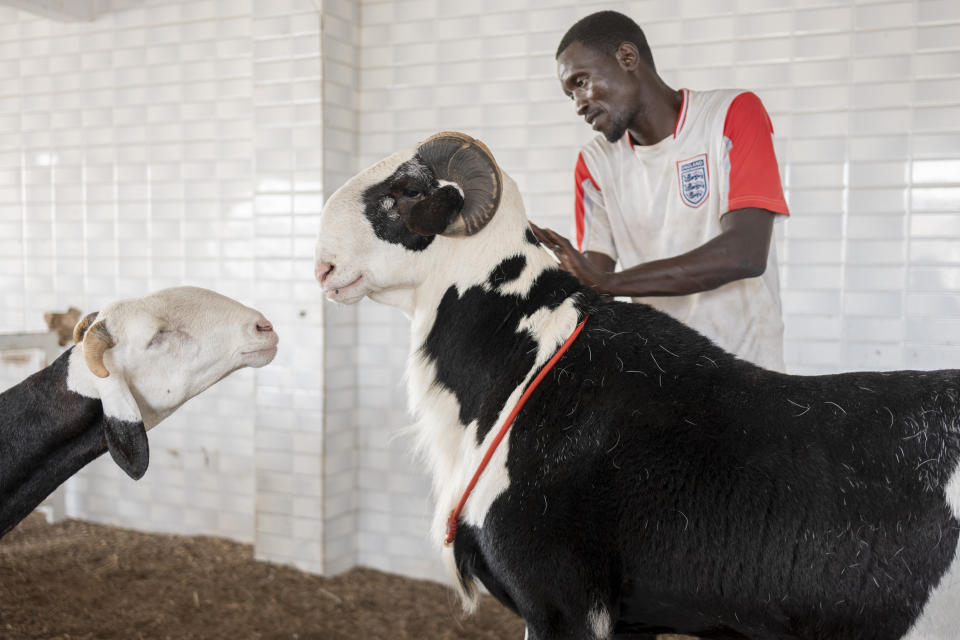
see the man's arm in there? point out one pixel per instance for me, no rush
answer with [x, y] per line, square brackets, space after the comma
[740, 251]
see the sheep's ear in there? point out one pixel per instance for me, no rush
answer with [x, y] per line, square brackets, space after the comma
[128, 445]
[433, 214]
[123, 427]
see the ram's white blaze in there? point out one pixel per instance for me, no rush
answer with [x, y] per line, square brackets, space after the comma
[938, 620]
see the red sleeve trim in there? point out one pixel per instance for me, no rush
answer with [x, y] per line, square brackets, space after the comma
[754, 175]
[682, 116]
[580, 175]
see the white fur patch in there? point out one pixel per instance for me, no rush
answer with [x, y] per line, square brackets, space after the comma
[953, 493]
[117, 400]
[444, 183]
[598, 620]
[79, 377]
[940, 618]
[551, 328]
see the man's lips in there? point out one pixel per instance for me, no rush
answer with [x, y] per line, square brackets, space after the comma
[592, 116]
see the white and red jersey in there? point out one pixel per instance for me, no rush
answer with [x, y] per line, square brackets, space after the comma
[639, 203]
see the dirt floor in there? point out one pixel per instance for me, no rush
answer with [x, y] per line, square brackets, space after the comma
[82, 581]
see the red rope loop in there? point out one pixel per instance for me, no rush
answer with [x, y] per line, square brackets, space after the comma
[454, 517]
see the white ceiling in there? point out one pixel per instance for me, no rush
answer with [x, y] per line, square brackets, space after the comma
[71, 10]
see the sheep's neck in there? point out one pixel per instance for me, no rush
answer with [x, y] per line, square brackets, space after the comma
[47, 433]
[473, 338]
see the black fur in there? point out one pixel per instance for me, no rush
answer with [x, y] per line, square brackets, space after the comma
[529, 237]
[688, 491]
[48, 433]
[128, 445]
[387, 204]
[507, 271]
[433, 213]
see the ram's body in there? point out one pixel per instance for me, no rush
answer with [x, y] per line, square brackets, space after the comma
[653, 482]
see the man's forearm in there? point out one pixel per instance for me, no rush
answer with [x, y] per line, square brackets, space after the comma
[707, 267]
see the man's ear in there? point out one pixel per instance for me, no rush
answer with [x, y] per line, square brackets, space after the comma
[123, 426]
[433, 214]
[628, 56]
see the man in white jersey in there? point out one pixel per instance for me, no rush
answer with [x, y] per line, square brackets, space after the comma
[682, 188]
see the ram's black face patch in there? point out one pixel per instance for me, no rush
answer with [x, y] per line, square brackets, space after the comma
[383, 202]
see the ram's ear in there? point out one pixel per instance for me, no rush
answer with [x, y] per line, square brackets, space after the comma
[433, 214]
[123, 427]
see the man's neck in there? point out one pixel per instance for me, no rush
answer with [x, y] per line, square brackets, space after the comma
[659, 119]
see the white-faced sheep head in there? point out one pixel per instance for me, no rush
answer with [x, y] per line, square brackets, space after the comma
[449, 186]
[148, 356]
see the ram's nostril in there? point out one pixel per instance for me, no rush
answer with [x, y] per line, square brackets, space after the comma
[323, 270]
[264, 326]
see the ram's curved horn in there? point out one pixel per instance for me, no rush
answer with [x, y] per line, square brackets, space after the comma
[82, 326]
[96, 341]
[458, 158]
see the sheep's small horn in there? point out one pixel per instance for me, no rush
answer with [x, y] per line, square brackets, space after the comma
[95, 343]
[468, 162]
[82, 326]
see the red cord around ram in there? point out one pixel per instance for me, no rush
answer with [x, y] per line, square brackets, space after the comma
[454, 516]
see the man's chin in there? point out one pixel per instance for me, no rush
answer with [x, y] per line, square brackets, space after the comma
[614, 134]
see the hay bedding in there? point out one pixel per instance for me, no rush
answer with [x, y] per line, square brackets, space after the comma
[82, 581]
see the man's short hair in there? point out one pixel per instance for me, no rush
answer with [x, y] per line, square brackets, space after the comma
[605, 31]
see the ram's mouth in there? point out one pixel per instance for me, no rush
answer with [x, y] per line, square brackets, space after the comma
[334, 291]
[257, 355]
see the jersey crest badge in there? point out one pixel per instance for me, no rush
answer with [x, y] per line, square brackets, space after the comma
[694, 180]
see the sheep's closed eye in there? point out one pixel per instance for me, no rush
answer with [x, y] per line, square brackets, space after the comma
[158, 338]
[412, 193]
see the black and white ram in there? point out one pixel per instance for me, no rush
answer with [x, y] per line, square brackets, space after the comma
[133, 365]
[654, 483]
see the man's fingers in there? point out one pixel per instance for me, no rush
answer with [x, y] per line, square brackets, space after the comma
[540, 234]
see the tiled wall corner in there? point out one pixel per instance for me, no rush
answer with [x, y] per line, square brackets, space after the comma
[288, 194]
[341, 60]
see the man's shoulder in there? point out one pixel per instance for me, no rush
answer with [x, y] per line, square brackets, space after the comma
[717, 98]
[720, 101]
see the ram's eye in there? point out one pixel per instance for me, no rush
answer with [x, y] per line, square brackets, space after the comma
[158, 337]
[411, 193]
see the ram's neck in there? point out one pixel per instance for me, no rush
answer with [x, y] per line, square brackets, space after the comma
[47, 433]
[477, 340]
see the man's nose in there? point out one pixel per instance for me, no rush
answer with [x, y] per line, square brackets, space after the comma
[581, 105]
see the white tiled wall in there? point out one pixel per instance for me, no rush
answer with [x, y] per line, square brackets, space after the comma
[193, 141]
[180, 142]
[126, 166]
